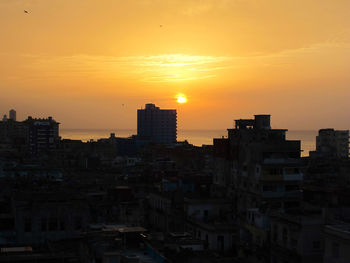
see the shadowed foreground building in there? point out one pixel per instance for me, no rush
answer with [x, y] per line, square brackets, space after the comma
[156, 125]
[258, 166]
[260, 171]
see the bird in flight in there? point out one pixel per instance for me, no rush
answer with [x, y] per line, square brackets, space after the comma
[25, 11]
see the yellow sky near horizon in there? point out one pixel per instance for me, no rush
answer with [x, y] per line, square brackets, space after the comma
[91, 64]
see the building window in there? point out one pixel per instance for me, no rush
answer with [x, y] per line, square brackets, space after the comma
[269, 188]
[220, 243]
[335, 250]
[62, 224]
[78, 223]
[53, 224]
[284, 235]
[316, 244]
[275, 171]
[43, 224]
[27, 224]
[293, 243]
[290, 188]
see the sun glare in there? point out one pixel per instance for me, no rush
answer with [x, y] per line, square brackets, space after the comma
[180, 98]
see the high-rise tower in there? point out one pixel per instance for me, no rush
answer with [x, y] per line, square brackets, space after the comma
[157, 125]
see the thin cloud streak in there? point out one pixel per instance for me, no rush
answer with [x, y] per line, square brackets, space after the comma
[163, 68]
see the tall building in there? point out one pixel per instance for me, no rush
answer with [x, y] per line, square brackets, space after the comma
[333, 142]
[261, 172]
[12, 131]
[156, 125]
[43, 135]
[12, 115]
[258, 166]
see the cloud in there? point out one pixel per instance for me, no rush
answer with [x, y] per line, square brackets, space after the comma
[168, 67]
[165, 67]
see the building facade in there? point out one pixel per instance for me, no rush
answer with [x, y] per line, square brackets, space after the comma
[157, 125]
[337, 243]
[43, 135]
[333, 142]
[258, 166]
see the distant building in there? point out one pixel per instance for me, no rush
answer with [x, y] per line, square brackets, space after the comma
[43, 135]
[13, 132]
[12, 115]
[156, 125]
[333, 142]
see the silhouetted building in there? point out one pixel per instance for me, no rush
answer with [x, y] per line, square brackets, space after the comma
[13, 132]
[258, 166]
[331, 142]
[43, 135]
[156, 125]
[12, 115]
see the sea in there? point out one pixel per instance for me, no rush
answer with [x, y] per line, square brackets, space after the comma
[195, 137]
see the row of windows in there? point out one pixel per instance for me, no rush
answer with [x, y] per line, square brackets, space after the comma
[52, 224]
[287, 188]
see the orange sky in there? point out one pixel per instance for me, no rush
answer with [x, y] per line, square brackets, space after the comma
[81, 60]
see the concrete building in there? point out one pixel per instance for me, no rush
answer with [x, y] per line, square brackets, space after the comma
[42, 216]
[331, 142]
[259, 170]
[165, 212]
[43, 135]
[33, 136]
[157, 125]
[255, 234]
[13, 132]
[257, 166]
[13, 115]
[337, 243]
[210, 220]
[297, 237]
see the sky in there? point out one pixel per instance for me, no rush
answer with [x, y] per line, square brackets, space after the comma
[92, 64]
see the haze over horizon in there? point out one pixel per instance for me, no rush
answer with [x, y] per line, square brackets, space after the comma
[92, 64]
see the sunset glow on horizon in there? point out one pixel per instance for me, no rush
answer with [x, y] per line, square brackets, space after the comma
[232, 59]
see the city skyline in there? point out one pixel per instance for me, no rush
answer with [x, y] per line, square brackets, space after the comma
[92, 64]
[177, 131]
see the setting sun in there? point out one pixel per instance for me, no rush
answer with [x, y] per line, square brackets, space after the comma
[180, 98]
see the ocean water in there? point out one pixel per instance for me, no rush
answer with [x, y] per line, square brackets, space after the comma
[196, 137]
